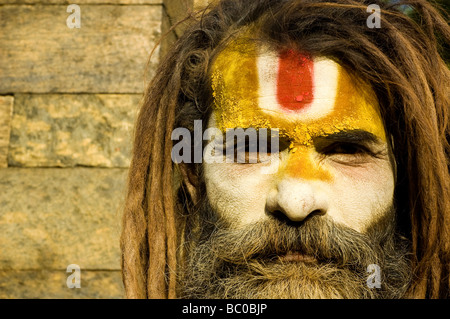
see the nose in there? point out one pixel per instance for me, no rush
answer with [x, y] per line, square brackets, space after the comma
[297, 199]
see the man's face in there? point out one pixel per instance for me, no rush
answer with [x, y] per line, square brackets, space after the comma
[336, 162]
[333, 181]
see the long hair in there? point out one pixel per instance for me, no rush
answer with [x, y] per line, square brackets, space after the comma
[402, 61]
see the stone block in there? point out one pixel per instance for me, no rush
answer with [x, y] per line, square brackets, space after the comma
[51, 218]
[6, 109]
[51, 284]
[80, 2]
[66, 130]
[200, 4]
[176, 11]
[109, 53]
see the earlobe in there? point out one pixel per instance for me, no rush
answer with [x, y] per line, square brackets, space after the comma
[190, 179]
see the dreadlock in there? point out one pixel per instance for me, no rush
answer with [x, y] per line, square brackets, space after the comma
[402, 62]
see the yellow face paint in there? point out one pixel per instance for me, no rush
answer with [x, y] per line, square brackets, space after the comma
[246, 90]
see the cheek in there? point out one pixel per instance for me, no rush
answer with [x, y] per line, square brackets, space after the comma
[362, 195]
[236, 192]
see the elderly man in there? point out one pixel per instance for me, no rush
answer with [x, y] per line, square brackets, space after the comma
[353, 201]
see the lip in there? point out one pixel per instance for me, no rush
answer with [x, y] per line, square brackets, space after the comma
[294, 256]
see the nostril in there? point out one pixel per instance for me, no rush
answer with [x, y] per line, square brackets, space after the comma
[282, 217]
[318, 212]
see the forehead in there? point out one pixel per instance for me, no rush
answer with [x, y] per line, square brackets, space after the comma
[300, 95]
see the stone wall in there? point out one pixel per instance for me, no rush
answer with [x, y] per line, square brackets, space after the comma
[68, 101]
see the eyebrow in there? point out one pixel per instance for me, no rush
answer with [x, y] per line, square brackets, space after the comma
[351, 136]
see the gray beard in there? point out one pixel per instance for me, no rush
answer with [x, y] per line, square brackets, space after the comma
[245, 263]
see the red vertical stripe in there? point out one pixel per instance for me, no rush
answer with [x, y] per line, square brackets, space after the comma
[295, 80]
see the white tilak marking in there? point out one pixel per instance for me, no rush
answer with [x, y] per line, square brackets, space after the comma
[325, 81]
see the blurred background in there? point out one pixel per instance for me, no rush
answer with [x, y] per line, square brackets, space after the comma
[70, 87]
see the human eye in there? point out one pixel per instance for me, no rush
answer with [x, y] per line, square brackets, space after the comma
[258, 149]
[347, 152]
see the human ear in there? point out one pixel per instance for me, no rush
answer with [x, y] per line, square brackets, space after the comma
[190, 179]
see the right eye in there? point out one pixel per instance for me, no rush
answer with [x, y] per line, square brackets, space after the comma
[250, 151]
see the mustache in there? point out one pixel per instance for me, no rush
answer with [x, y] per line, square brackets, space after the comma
[318, 236]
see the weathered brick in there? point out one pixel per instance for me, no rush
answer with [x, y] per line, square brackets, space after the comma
[177, 10]
[51, 218]
[6, 109]
[79, 2]
[108, 54]
[65, 130]
[45, 284]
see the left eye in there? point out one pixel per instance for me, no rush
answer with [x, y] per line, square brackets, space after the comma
[345, 148]
[347, 153]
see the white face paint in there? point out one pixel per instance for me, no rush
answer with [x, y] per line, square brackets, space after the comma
[338, 160]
